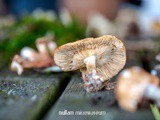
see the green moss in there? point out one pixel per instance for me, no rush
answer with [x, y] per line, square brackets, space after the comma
[28, 29]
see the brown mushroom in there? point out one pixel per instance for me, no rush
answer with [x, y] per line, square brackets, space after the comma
[99, 59]
[134, 84]
[127, 22]
[30, 58]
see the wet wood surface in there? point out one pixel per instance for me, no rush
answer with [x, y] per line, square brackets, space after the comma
[28, 97]
[74, 101]
[36, 96]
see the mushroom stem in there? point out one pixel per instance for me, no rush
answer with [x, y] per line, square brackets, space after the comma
[42, 46]
[92, 81]
[90, 64]
[153, 92]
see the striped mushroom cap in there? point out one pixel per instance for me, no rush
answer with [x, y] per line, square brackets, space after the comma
[109, 52]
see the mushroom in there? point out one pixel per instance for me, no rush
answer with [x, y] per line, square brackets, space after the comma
[127, 22]
[15, 66]
[133, 85]
[99, 59]
[30, 58]
[99, 25]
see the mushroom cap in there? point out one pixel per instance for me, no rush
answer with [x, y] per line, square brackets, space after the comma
[109, 51]
[131, 86]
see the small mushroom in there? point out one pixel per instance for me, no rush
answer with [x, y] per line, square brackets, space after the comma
[45, 47]
[98, 25]
[30, 58]
[133, 85]
[127, 22]
[15, 66]
[29, 54]
[99, 59]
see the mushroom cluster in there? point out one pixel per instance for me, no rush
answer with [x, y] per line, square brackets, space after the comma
[133, 85]
[99, 59]
[29, 58]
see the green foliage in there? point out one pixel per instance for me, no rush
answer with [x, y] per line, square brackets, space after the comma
[28, 29]
[155, 112]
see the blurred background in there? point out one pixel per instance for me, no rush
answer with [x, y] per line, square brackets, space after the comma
[136, 22]
[30, 30]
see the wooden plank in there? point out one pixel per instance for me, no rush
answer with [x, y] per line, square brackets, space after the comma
[28, 97]
[74, 99]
